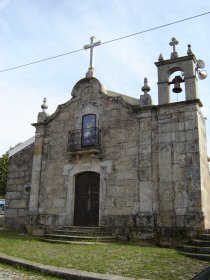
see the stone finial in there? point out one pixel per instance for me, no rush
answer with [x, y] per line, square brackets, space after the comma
[189, 50]
[145, 88]
[44, 105]
[145, 99]
[43, 115]
[173, 43]
[160, 58]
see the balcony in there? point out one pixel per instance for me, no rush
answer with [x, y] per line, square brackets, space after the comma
[82, 141]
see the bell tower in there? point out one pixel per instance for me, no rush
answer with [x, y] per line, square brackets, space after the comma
[183, 175]
[187, 65]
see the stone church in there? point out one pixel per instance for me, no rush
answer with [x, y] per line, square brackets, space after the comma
[104, 159]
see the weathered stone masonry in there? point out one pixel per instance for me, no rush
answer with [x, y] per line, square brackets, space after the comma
[151, 159]
[18, 189]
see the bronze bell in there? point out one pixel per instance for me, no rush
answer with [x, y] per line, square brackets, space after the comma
[176, 81]
[177, 88]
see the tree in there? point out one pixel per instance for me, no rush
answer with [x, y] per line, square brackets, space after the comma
[4, 161]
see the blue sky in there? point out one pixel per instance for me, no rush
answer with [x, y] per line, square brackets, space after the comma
[36, 29]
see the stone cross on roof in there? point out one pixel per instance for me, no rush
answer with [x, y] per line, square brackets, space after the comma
[91, 70]
[173, 43]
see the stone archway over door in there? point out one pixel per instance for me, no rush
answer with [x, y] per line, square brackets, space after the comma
[86, 205]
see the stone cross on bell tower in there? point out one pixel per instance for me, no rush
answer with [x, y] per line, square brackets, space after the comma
[91, 71]
[173, 43]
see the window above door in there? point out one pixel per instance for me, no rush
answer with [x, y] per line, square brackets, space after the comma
[86, 138]
[89, 135]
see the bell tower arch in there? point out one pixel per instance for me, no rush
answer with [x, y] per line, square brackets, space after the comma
[185, 64]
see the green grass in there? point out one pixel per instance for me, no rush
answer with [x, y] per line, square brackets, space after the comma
[129, 260]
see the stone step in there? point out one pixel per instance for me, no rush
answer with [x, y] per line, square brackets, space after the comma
[200, 242]
[85, 229]
[59, 241]
[80, 238]
[196, 255]
[205, 236]
[196, 249]
[81, 233]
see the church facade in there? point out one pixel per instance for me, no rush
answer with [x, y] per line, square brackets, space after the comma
[110, 160]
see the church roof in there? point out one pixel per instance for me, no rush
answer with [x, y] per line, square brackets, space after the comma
[22, 146]
[128, 99]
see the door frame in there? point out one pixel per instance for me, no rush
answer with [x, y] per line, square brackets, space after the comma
[71, 170]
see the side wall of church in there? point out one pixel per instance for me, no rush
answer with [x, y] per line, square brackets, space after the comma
[18, 189]
[205, 177]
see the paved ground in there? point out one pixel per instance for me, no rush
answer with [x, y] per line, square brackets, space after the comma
[10, 274]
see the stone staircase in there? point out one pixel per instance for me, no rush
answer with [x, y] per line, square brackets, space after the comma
[198, 248]
[79, 235]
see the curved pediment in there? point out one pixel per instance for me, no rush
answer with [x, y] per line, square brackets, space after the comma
[88, 89]
[85, 85]
[83, 88]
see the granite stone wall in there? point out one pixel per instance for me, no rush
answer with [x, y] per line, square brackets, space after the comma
[18, 189]
[153, 178]
[152, 163]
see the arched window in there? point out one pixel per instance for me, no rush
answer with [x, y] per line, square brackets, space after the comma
[88, 130]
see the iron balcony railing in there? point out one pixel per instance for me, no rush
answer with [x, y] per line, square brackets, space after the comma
[84, 138]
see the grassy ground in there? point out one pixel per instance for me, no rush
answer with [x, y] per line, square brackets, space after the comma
[129, 260]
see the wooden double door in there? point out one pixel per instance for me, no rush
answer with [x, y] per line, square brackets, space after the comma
[86, 205]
